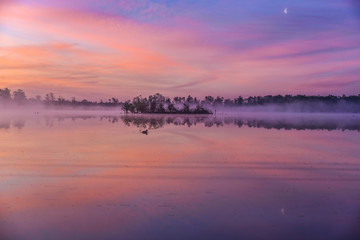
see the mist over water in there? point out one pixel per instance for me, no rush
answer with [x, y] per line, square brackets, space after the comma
[268, 120]
[297, 107]
[95, 175]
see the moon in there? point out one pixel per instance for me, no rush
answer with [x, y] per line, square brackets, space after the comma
[285, 11]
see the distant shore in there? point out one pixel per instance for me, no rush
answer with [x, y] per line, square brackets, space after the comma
[159, 104]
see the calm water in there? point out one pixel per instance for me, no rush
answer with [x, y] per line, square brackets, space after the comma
[248, 177]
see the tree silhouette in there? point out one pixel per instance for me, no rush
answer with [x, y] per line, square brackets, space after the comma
[126, 106]
[5, 94]
[158, 103]
[19, 96]
[49, 98]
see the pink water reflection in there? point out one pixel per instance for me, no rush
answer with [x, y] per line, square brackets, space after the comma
[74, 178]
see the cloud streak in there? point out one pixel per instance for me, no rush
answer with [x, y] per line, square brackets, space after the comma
[98, 49]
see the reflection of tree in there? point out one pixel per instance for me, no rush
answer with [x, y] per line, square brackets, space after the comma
[144, 122]
[239, 123]
[49, 121]
[5, 124]
[346, 122]
[19, 123]
[110, 119]
[154, 122]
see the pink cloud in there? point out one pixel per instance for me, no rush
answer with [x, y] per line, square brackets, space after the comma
[96, 56]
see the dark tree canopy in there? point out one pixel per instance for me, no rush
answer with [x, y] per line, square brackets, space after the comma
[19, 96]
[158, 103]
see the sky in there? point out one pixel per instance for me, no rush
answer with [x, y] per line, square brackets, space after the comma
[97, 49]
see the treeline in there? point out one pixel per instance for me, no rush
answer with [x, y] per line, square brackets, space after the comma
[19, 97]
[158, 103]
[298, 103]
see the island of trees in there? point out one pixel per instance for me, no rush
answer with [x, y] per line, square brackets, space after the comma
[158, 103]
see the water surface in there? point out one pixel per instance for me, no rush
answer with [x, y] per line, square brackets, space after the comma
[66, 176]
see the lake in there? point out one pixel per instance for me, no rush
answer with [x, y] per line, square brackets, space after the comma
[245, 176]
